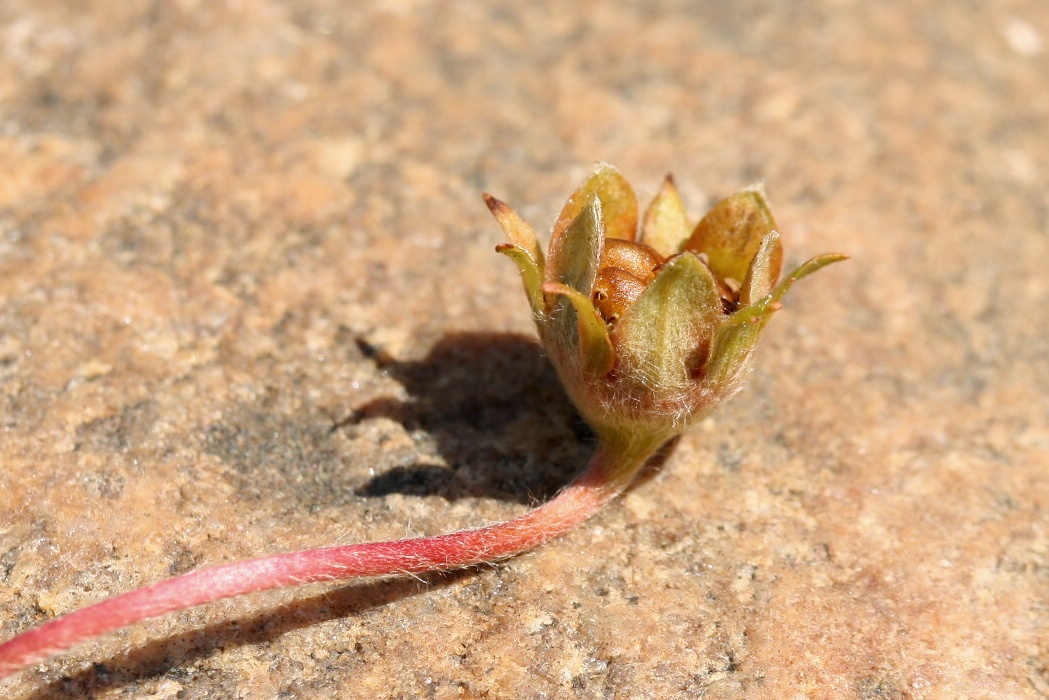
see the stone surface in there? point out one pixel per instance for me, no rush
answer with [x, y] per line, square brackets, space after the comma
[250, 304]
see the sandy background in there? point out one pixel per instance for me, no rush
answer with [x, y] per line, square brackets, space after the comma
[249, 303]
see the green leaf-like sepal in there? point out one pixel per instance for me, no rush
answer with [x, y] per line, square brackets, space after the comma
[574, 254]
[618, 202]
[806, 269]
[573, 262]
[736, 338]
[520, 233]
[771, 303]
[666, 224]
[531, 276]
[733, 345]
[764, 270]
[664, 337]
[595, 348]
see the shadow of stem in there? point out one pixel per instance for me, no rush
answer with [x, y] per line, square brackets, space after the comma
[166, 655]
[496, 413]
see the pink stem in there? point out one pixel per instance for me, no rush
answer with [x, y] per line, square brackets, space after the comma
[605, 476]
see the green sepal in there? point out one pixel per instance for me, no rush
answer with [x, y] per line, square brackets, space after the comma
[733, 345]
[520, 233]
[805, 269]
[764, 270]
[531, 276]
[665, 226]
[575, 253]
[731, 233]
[618, 203]
[737, 336]
[595, 348]
[664, 336]
[573, 262]
[771, 303]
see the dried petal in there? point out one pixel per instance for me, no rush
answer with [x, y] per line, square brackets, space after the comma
[618, 202]
[731, 233]
[614, 290]
[666, 224]
[636, 258]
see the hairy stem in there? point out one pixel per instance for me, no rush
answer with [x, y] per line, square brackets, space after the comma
[607, 474]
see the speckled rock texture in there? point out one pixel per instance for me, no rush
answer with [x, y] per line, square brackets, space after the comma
[249, 304]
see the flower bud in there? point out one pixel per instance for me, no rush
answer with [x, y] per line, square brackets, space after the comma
[649, 334]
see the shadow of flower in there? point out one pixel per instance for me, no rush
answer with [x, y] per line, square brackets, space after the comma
[497, 415]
